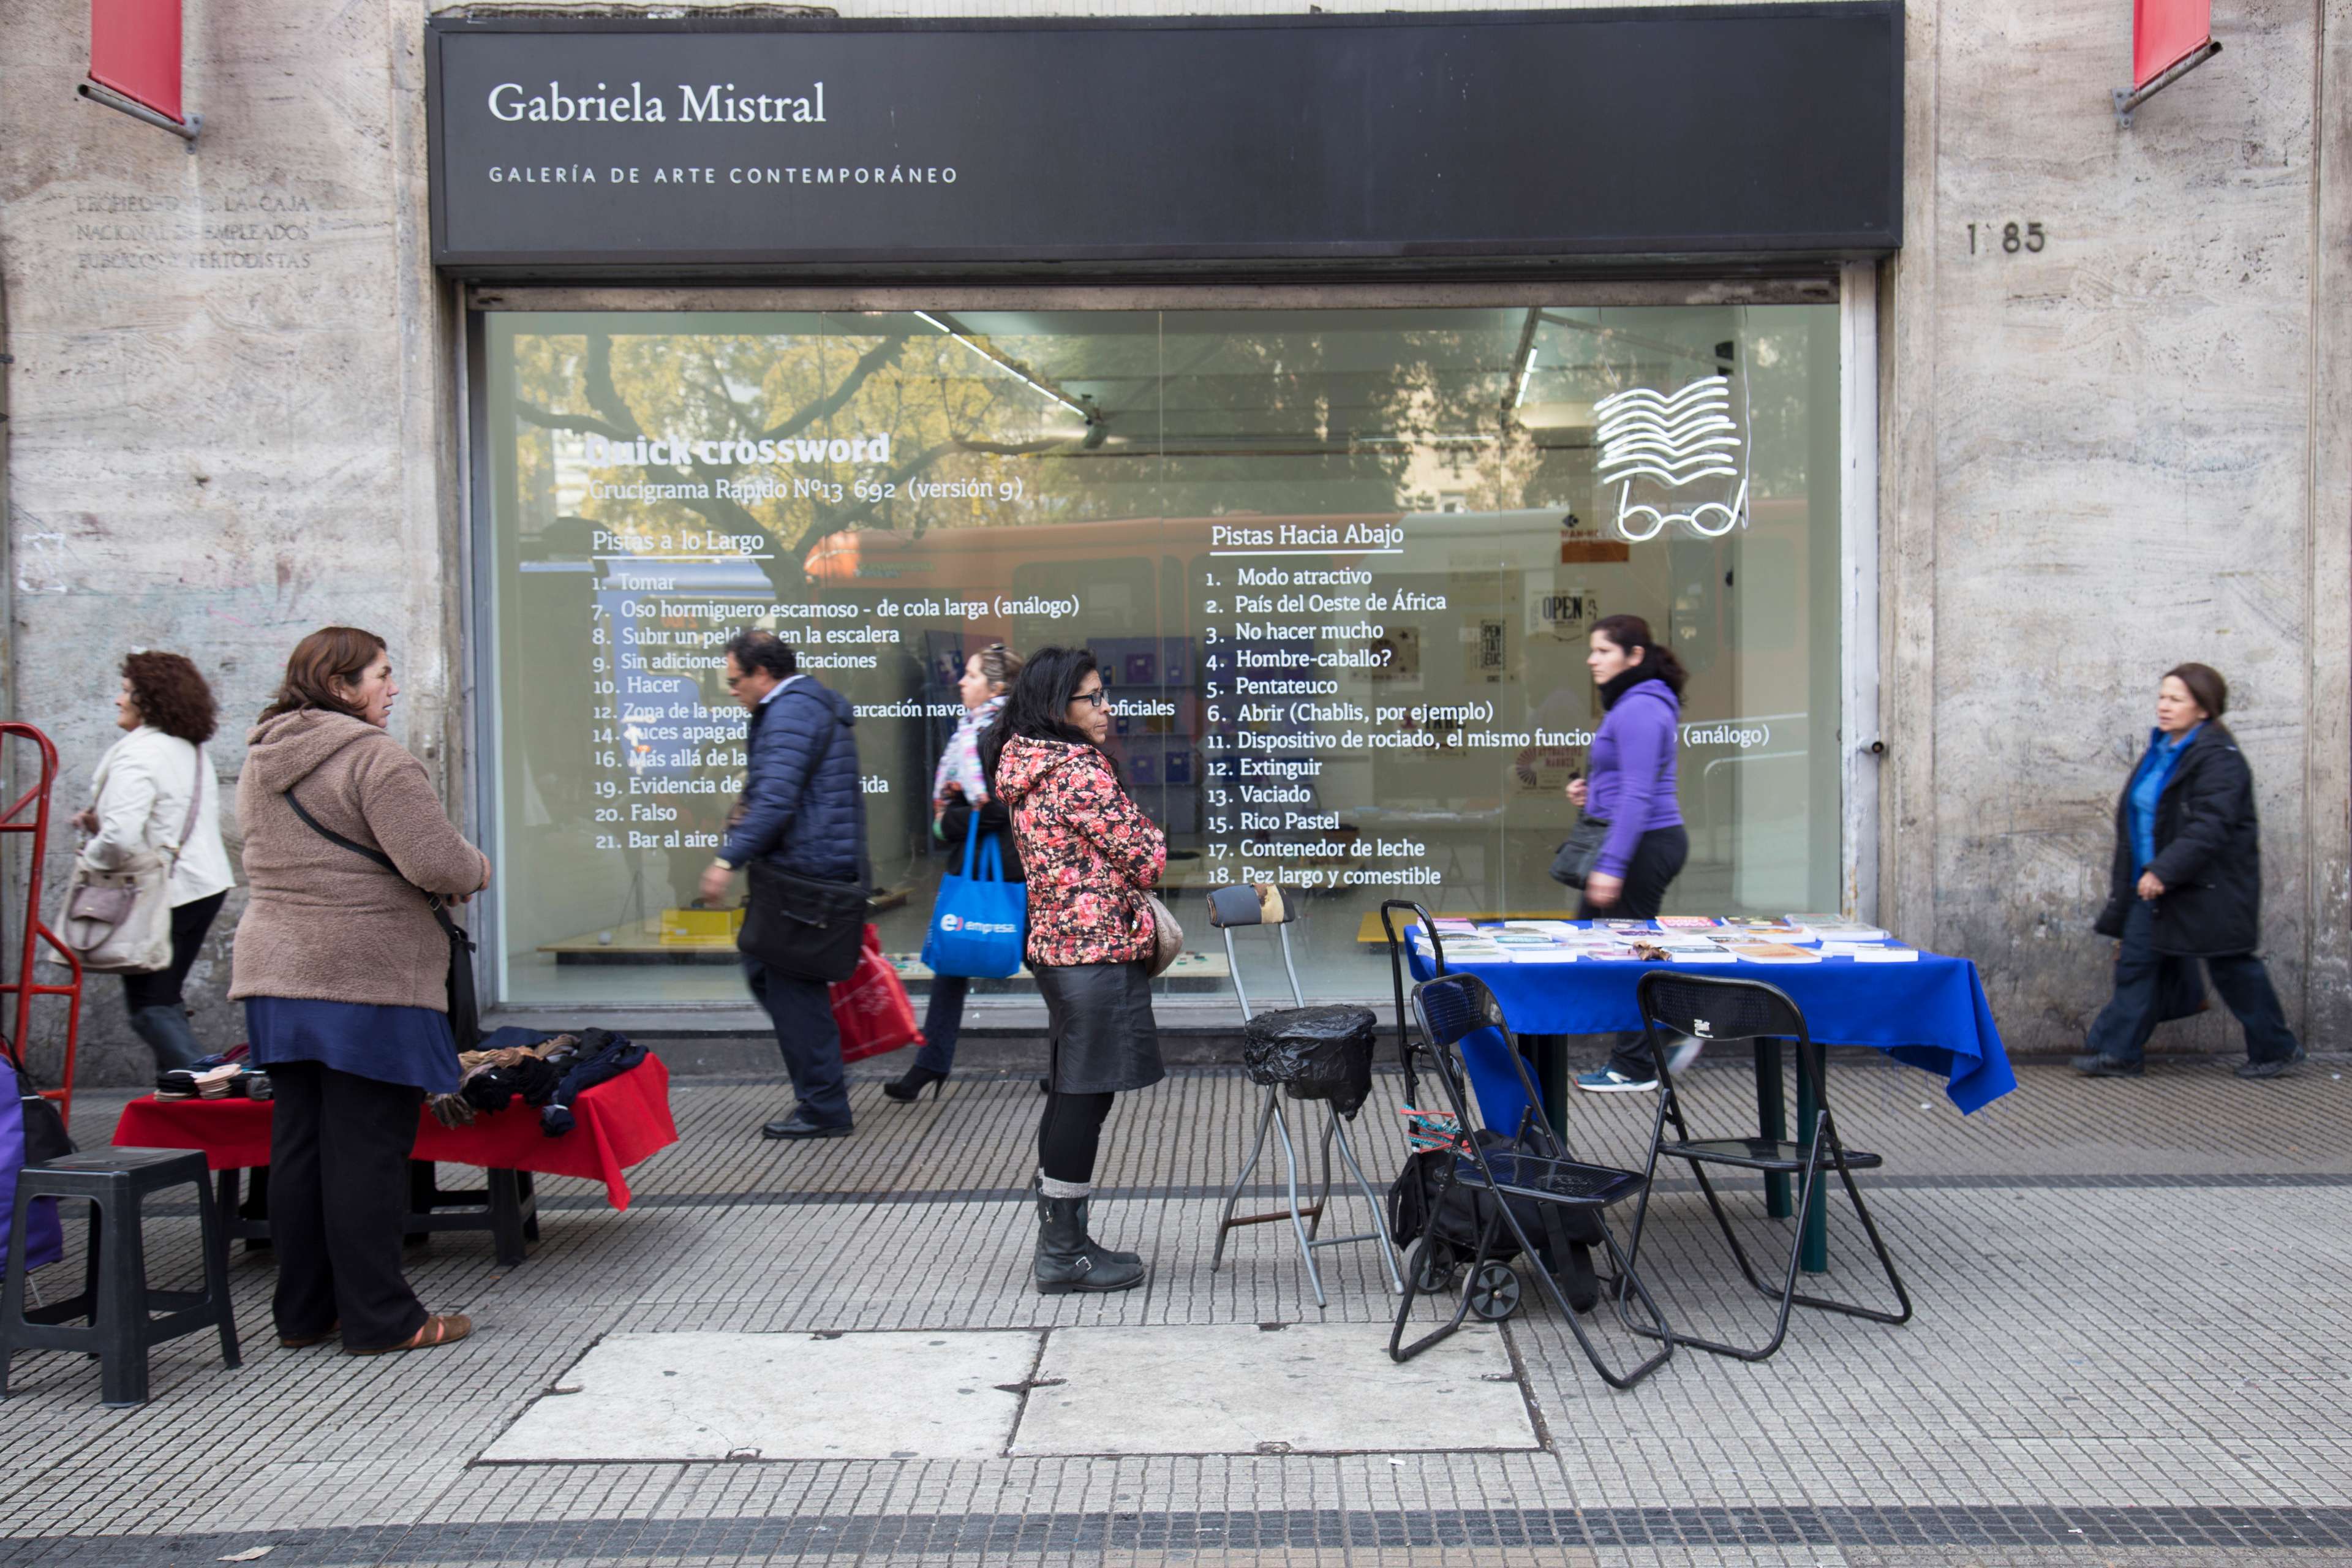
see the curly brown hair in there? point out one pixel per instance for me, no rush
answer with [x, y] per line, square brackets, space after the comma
[170, 695]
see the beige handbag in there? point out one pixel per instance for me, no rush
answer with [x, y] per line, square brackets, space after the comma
[1167, 936]
[120, 923]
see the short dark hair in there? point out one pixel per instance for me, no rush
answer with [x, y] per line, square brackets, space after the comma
[756, 648]
[326, 656]
[170, 695]
[2205, 684]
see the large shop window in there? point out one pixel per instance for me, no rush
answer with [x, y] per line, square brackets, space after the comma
[1339, 566]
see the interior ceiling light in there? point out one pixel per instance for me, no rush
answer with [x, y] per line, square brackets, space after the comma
[1523, 361]
[1091, 415]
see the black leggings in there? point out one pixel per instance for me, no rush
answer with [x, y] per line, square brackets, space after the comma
[1657, 860]
[1069, 1133]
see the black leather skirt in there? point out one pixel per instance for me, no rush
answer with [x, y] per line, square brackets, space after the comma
[1101, 1038]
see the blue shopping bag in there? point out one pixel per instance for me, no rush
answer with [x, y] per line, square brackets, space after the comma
[981, 921]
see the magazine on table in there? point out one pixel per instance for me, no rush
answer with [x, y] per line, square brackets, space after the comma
[1772, 953]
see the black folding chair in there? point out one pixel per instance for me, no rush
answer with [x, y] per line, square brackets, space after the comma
[1397, 968]
[1532, 1169]
[1718, 1009]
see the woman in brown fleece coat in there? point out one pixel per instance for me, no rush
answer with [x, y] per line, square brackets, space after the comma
[343, 969]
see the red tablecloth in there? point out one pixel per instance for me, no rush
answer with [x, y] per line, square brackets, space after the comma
[620, 1122]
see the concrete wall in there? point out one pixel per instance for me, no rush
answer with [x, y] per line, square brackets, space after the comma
[227, 419]
[233, 420]
[2106, 459]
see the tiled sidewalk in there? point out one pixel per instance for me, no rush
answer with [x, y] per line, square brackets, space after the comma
[2130, 1348]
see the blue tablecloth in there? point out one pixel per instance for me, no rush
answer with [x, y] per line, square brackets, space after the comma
[1931, 1013]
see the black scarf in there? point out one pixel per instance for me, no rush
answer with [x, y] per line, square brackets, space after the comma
[1624, 681]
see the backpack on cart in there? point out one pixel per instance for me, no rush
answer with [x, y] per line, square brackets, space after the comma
[1463, 1211]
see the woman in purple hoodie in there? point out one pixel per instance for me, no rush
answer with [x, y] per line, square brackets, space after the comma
[1633, 790]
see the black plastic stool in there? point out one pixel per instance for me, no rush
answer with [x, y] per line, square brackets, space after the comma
[114, 1297]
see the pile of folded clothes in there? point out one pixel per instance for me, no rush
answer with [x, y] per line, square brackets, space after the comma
[544, 1070]
[225, 1075]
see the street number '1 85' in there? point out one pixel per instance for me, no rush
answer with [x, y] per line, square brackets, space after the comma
[2014, 236]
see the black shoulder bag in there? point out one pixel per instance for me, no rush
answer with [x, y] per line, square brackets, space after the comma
[805, 927]
[45, 1130]
[464, 1014]
[1579, 856]
[1580, 853]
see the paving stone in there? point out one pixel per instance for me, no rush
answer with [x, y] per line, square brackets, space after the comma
[1275, 1388]
[639, 1398]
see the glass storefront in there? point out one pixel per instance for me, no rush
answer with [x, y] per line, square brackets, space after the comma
[1339, 566]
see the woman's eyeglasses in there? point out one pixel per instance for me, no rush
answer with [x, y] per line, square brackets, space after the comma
[1094, 698]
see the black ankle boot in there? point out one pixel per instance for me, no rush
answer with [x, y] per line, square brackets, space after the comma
[916, 1080]
[1067, 1260]
[1037, 1194]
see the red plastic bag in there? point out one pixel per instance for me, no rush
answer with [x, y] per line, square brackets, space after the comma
[871, 1007]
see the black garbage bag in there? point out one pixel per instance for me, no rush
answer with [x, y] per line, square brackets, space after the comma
[1564, 1237]
[1315, 1053]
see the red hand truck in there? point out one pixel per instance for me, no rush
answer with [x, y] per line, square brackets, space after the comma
[35, 801]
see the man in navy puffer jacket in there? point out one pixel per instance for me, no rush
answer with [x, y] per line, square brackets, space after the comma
[804, 809]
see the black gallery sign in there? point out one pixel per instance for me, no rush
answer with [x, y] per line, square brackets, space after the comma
[583, 145]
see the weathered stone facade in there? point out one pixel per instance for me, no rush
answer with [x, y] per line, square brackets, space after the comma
[234, 418]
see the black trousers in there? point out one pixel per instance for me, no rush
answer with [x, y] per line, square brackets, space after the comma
[808, 1037]
[1657, 862]
[190, 922]
[2121, 1030]
[339, 1149]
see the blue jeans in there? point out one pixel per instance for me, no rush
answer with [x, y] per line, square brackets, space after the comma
[943, 1022]
[808, 1037]
[2121, 1030]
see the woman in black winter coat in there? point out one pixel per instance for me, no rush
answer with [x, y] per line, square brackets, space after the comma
[2186, 884]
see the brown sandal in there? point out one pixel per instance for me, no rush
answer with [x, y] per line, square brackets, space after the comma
[438, 1329]
[304, 1341]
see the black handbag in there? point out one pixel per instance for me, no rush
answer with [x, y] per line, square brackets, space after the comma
[465, 1012]
[810, 928]
[45, 1137]
[1580, 853]
[805, 927]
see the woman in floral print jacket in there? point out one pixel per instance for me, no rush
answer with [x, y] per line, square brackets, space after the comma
[1092, 856]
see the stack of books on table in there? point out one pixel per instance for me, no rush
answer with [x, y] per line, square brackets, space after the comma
[1671, 939]
[1836, 936]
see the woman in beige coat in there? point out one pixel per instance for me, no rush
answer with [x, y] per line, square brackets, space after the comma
[343, 969]
[154, 794]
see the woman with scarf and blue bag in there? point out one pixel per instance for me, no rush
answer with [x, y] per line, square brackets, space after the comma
[986, 880]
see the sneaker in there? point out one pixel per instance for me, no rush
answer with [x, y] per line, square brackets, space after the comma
[2272, 1068]
[1609, 1080]
[2093, 1065]
[1683, 1052]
